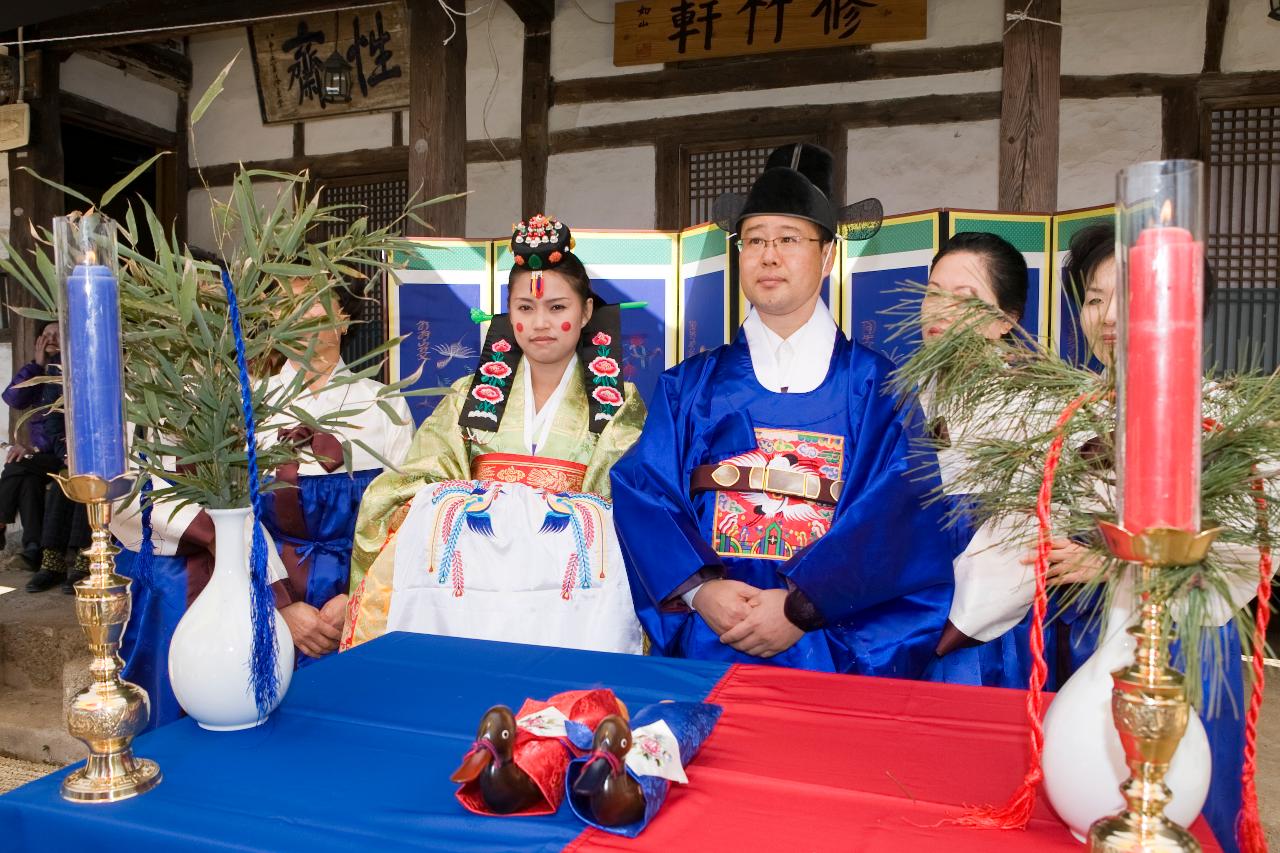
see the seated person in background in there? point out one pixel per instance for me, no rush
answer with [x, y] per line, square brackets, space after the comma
[499, 526]
[987, 638]
[312, 519]
[52, 523]
[28, 466]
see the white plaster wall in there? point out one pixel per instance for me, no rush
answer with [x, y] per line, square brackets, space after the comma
[347, 133]
[582, 47]
[1132, 36]
[1099, 138]
[6, 374]
[612, 188]
[110, 86]
[231, 130]
[495, 61]
[494, 202]
[587, 115]
[956, 22]
[200, 227]
[918, 167]
[1252, 41]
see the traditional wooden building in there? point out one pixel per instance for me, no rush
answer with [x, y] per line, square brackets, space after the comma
[538, 104]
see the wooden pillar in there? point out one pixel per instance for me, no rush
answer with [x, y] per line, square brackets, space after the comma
[535, 105]
[1215, 34]
[1180, 122]
[1030, 94]
[34, 203]
[437, 117]
[669, 195]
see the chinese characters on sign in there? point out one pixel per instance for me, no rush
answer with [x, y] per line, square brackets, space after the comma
[652, 31]
[289, 56]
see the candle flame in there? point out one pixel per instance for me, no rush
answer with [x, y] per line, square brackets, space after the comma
[1166, 212]
[90, 256]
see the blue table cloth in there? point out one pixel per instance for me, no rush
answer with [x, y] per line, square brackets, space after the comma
[357, 757]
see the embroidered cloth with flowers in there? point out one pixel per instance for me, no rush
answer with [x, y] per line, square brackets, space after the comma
[499, 525]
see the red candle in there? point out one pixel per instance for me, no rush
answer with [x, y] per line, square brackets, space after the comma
[1161, 486]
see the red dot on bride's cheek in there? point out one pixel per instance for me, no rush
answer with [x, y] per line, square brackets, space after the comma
[519, 327]
[566, 326]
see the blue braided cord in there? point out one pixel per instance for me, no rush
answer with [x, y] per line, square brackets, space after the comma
[584, 556]
[142, 569]
[263, 677]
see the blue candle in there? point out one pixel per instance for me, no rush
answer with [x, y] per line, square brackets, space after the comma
[92, 373]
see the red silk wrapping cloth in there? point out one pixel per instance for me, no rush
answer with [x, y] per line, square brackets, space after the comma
[807, 761]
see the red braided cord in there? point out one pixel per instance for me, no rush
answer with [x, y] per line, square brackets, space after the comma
[1249, 832]
[1017, 812]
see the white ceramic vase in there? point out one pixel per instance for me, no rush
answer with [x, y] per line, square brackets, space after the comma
[1083, 760]
[210, 656]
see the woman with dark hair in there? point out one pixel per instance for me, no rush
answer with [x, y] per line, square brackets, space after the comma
[499, 525]
[987, 637]
[1090, 282]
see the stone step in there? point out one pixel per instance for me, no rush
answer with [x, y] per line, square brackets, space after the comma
[38, 634]
[33, 727]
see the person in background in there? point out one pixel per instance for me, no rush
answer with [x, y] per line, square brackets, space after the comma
[1091, 285]
[312, 516]
[987, 638]
[51, 522]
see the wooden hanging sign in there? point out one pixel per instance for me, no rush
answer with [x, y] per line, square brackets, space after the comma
[289, 55]
[650, 31]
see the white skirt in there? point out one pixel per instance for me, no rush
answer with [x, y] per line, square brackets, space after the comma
[503, 561]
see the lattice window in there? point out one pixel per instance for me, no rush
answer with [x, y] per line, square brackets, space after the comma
[1244, 234]
[382, 200]
[711, 173]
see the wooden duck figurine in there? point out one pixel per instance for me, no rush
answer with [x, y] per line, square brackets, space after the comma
[503, 785]
[612, 796]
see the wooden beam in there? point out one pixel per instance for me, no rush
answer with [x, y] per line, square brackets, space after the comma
[780, 121]
[701, 128]
[1029, 110]
[204, 16]
[437, 116]
[352, 164]
[1180, 123]
[535, 100]
[668, 186]
[1122, 85]
[299, 139]
[752, 73]
[534, 12]
[397, 129]
[148, 62]
[1240, 85]
[87, 113]
[34, 203]
[1215, 34]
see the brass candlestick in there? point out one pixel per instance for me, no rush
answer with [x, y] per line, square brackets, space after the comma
[108, 713]
[1148, 702]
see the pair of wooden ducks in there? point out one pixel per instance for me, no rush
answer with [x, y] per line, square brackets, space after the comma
[604, 788]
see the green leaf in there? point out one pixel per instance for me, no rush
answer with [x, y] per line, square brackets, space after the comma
[215, 89]
[57, 186]
[128, 179]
